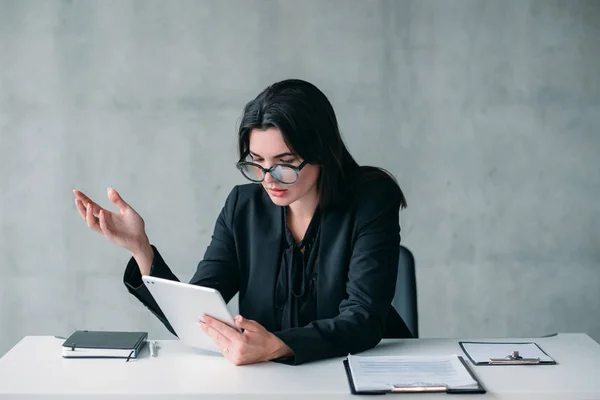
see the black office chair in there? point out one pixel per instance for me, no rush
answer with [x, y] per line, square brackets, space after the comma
[405, 299]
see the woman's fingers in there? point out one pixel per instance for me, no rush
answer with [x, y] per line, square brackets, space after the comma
[103, 226]
[81, 208]
[221, 327]
[116, 199]
[222, 341]
[86, 200]
[81, 196]
[91, 220]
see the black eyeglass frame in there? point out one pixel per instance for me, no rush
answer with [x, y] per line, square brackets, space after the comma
[240, 165]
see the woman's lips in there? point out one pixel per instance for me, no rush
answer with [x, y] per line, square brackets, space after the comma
[277, 192]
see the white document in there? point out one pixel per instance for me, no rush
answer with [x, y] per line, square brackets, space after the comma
[482, 352]
[387, 372]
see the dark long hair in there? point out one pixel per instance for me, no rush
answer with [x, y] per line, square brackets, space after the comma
[309, 127]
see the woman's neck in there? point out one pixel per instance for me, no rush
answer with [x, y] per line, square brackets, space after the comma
[304, 208]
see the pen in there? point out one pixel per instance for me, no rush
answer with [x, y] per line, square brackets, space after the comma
[152, 345]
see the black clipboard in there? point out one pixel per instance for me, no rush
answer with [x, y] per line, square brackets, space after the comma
[420, 389]
[508, 361]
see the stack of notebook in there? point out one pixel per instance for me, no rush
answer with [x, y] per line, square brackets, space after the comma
[104, 344]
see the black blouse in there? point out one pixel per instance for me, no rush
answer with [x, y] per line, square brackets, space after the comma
[296, 283]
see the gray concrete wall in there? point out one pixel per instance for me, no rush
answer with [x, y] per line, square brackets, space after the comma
[488, 112]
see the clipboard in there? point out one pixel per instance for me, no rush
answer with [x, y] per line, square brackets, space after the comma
[509, 359]
[418, 389]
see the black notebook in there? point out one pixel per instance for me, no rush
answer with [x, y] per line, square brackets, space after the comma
[104, 344]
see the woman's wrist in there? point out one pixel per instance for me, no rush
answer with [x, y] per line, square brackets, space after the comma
[140, 246]
[144, 256]
[282, 350]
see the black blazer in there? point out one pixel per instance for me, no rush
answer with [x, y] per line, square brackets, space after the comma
[357, 267]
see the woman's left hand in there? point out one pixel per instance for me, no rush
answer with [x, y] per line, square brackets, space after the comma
[255, 344]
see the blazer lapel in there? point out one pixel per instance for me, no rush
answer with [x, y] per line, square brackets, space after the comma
[333, 261]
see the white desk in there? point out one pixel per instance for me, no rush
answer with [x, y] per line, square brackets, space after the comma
[34, 368]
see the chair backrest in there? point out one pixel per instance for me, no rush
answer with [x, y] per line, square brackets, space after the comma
[405, 299]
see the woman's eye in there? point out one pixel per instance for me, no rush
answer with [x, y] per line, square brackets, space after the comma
[288, 161]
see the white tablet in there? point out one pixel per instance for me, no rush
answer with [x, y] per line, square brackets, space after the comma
[183, 303]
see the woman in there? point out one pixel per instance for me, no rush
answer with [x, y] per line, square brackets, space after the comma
[312, 250]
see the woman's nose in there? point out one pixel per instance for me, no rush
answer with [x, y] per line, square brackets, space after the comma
[269, 178]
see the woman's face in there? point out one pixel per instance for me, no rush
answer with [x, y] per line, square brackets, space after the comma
[267, 147]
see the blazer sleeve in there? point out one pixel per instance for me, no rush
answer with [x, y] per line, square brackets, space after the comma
[370, 286]
[218, 269]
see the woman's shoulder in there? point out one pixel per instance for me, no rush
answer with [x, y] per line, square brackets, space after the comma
[248, 191]
[375, 196]
[243, 195]
[374, 186]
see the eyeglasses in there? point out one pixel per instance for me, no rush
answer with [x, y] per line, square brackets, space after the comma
[285, 174]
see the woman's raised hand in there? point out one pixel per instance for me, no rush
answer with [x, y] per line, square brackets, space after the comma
[125, 227]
